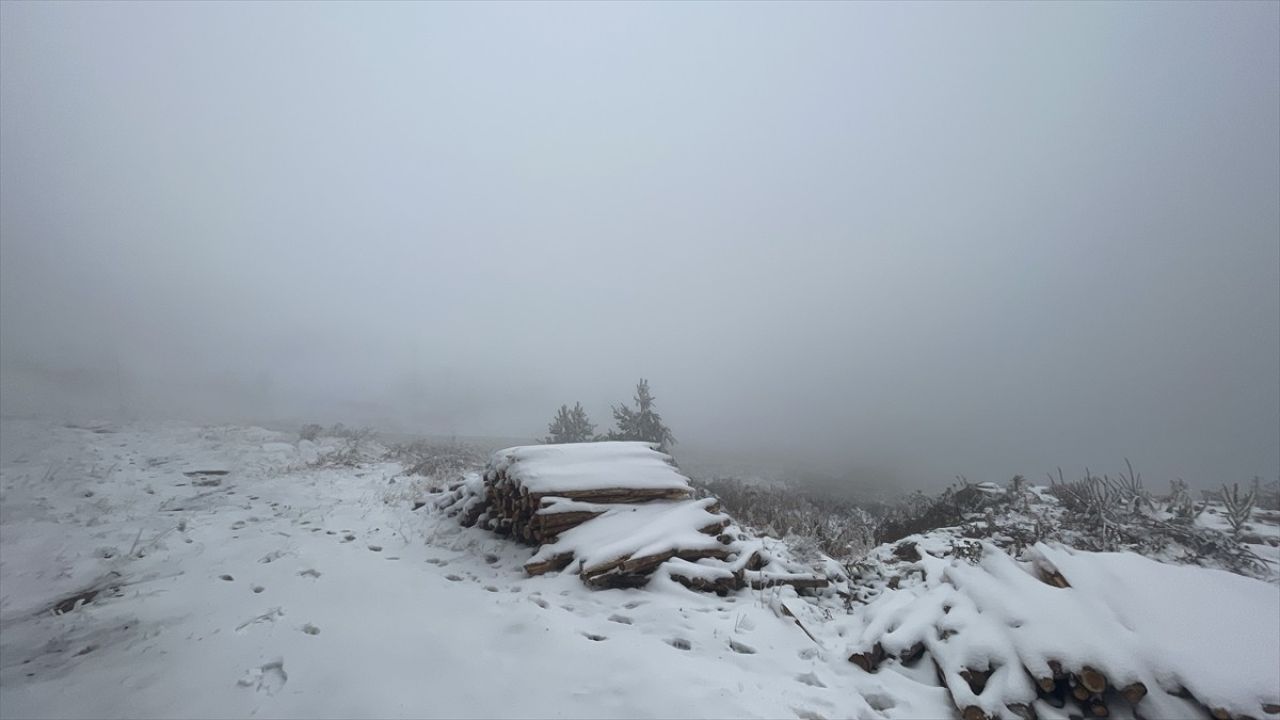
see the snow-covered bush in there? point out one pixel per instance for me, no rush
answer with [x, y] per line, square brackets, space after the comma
[1239, 506]
[357, 446]
[444, 461]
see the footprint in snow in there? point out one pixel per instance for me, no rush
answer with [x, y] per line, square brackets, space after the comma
[310, 572]
[593, 636]
[228, 578]
[880, 701]
[680, 644]
[741, 648]
[807, 714]
[811, 680]
[348, 538]
[491, 588]
[257, 589]
[621, 619]
[437, 561]
[491, 559]
[633, 604]
[310, 629]
[376, 548]
[539, 602]
[268, 616]
[268, 678]
[272, 556]
[453, 578]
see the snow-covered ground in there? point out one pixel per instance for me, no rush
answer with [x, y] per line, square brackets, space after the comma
[222, 574]
[278, 590]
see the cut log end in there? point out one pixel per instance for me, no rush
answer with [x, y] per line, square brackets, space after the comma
[1133, 692]
[1093, 681]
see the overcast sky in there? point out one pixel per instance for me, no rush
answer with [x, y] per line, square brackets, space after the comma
[935, 239]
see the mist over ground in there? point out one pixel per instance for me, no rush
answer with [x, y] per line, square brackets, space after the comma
[912, 240]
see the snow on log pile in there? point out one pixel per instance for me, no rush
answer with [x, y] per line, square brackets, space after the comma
[1110, 633]
[616, 512]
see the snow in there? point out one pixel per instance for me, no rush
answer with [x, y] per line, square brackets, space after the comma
[438, 621]
[548, 469]
[290, 590]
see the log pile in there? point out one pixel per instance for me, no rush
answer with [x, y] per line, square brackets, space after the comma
[622, 512]
[987, 677]
[535, 493]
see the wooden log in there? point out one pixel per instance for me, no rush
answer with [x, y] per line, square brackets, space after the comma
[976, 679]
[559, 522]
[1133, 692]
[869, 660]
[615, 495]
[615, 580]
[1093, 681]
[912, 653]
[1023, 711]
[715, 527]
[1054, 578]
[720, 585]
[555, 562]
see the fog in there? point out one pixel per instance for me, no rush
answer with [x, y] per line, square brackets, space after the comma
[977, 239]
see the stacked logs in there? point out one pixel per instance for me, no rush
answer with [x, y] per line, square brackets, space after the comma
[537, 494]
[538, 518]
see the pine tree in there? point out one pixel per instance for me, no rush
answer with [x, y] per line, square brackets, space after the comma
[570, 426]
[642, 423]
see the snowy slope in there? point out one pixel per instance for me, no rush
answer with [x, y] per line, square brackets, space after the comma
[286, 591]
[235, 578]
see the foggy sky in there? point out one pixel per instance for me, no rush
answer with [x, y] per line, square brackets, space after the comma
[935, 239]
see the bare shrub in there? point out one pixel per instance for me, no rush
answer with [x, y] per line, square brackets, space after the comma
[355, 450]
[839, 529]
